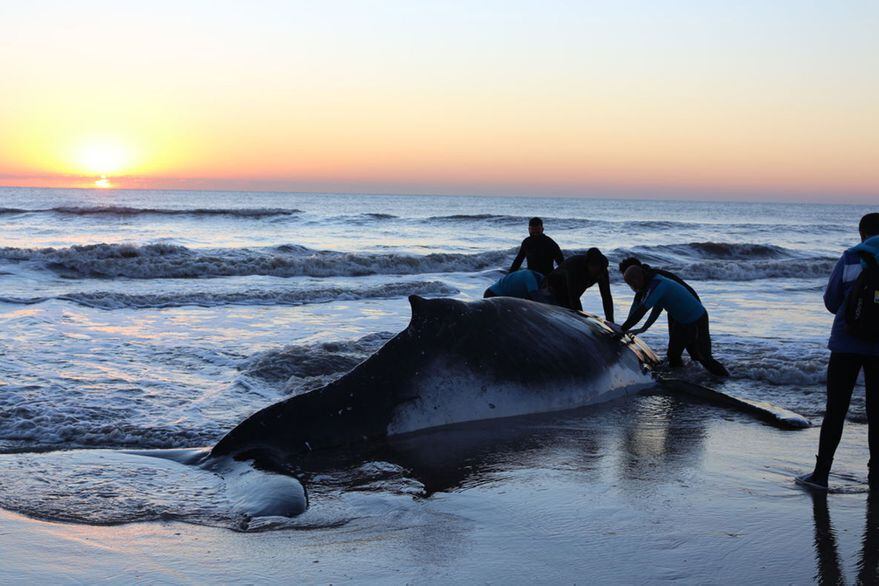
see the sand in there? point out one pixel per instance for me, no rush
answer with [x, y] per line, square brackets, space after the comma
[649, 489]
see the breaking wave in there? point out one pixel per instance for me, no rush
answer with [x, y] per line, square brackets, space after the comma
[156, 261]
[731, 261]
[696, 260]
[554, 223]
[296, 369]
[116, 300]
[620, 225]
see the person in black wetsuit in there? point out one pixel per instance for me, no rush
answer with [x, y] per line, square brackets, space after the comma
[576, 274]
[540, 250]
[650, 272]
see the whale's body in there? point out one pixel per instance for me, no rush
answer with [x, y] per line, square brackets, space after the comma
[455, 362]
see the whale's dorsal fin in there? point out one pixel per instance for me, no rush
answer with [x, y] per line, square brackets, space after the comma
[421, 310]
[440, 312]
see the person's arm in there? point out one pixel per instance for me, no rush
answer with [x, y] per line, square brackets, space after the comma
[650, 320]
[635, 314]
[652, 298]
[559, 257]
[606, 296]
[636, 301]
[519, 258]
[834, 294]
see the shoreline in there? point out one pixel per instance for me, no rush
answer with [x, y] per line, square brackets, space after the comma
[703, 495]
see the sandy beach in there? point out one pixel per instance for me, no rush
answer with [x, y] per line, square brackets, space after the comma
[645, 490]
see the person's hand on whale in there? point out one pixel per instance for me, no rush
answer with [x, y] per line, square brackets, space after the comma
[617, 330]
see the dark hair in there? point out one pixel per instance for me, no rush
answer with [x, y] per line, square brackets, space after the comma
[593, 255]
[629, 262]
[869, 225]
[535, 222]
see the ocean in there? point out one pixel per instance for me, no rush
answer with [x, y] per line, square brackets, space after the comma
[137, 320]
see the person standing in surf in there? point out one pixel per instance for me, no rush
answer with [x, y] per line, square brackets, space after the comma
[688, 328]
[579, 272]
[540, 250]
[854, 346]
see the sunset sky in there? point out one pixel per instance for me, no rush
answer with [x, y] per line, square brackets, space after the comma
[680, 98]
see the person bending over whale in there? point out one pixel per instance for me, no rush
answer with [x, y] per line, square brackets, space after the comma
[540, 250]
[690, 319]
[579, 272]
[634, 262]
[523, 284]
[639, 295]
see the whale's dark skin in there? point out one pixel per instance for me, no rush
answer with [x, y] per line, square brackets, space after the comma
[456, 361]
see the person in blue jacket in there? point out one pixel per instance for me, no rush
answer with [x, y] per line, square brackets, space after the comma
[523, 284]
[848, 356]
[674, 361]
[688, 328]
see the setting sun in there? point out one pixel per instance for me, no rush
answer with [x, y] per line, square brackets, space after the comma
[101, 157]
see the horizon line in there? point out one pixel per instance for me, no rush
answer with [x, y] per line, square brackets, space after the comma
[698, 196]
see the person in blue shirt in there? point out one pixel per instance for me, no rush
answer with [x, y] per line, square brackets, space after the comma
[848, 356]
[688, 328]
[636, 302]
[523, 284]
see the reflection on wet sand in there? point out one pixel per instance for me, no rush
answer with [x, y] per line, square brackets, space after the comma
[661, 430]
[826, 550]
[649, 432]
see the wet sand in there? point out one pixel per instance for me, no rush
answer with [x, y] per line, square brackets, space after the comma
[648, 489]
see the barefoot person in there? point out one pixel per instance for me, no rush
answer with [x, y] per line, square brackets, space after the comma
[688, 329]
[540, 250]
[853, 347]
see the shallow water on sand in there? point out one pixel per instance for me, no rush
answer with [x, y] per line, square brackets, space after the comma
[159, 320]
[645, 490]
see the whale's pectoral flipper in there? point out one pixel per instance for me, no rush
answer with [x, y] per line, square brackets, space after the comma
[778, 416]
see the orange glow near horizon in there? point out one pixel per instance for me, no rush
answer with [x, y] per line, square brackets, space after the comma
[526, 101]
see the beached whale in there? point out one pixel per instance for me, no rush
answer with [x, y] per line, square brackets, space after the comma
[456, 361]
[463, 361]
